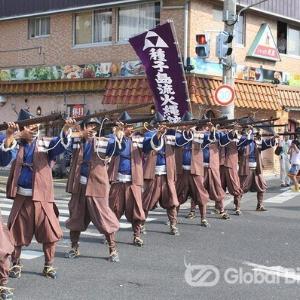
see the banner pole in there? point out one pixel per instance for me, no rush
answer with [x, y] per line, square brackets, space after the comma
[181, 62]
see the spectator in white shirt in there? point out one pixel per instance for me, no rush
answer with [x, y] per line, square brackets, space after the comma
[294, 152]
[284, 161]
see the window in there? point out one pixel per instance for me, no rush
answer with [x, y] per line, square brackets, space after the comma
[137, 19]
[239, 31]
[288, 39]
[38, 27]
[293, 42]
[102, 26]
[83, 28]
[93, 27]
[281, 37]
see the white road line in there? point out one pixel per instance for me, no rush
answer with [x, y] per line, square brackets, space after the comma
[283, 197]
[158, 213]
[277, 271]
[30, 254]
[61, 211]
[65, 212]
[123, 225]
[57, 202]
[3, 205]
[6, 213]
[228, 201]
[88, 233]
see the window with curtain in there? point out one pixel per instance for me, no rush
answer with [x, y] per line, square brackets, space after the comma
[102, 26]
[293, 41]
[136, 19]
[93, 27]
[83, 28]
[38, 27]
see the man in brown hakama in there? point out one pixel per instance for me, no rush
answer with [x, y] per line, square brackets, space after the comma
[251, 166]
[126, 175]
[6, 249]
[212, 180]
[229, 167]
[88, 183]
[160, 173]
[34, 212]
[189, 167]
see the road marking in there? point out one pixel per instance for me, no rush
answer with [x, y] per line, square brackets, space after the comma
[61, 211]
[31, 254]
[278, 271]
[6, 213]
[158, 213]
[285, 189]
[226, 202]
[64, 215]
[2, 205]
[64, 219]
[283, 197]
[58, 202]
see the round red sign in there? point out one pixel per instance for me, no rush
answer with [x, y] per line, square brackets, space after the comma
[224, 94]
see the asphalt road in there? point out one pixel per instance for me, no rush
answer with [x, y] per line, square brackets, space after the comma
[168, 267]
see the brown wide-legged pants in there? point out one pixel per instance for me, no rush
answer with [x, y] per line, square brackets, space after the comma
[32, 218]
[84, 209]
[126, 198]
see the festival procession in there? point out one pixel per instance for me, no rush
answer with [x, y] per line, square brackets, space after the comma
[152, 151]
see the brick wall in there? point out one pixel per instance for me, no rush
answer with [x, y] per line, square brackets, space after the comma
[58, 48]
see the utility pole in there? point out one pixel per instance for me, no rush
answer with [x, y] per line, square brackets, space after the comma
[229, 18]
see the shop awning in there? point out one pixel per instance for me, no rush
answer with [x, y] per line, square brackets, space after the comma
[201, 89]
[289, 97]
[247, 94]
[52, 86]
[127, 91]
[131, 90]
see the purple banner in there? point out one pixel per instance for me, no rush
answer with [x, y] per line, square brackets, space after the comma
[159, 53]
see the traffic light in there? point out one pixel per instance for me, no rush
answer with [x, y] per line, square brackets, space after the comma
[223, 49]
[202, 48]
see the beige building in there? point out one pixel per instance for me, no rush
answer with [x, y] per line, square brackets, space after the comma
[56, 57]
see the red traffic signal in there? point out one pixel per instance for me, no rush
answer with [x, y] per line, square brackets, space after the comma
[201, 39]
[202, 48]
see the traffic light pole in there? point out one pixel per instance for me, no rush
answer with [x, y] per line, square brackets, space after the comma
[229, 17]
